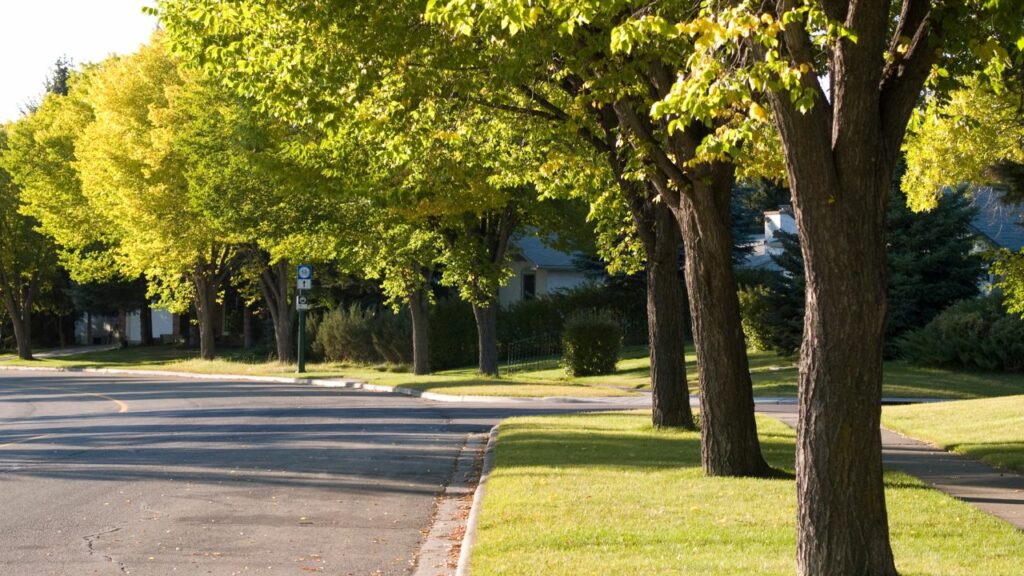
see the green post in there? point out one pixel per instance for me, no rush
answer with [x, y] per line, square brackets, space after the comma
[302, 341]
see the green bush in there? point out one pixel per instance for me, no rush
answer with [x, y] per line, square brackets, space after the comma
[974, 334]
[754, 310]
[529, 319]
[591, 342]
[346, 335]
[392, 336]
[452, 335]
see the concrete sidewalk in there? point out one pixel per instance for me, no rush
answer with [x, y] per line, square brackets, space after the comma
[989, 489]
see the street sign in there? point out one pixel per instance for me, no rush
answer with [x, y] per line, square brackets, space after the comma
[301, 303]
[305, 277]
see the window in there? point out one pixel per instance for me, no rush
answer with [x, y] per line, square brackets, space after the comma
[529, 286]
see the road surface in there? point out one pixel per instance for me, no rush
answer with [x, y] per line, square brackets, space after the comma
[104, 475]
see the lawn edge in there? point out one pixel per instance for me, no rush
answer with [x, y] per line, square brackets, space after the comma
[323, 383]
[469, 539]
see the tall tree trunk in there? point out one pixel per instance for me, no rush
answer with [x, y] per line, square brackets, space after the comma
[670, 395]
[487, 337]
[18, 299]
[420, 313]
[729, 442]
[839, 200]
[248, 335]
[274, 289]
[839, 159]
[205, 305]
[146, 323]
[700, 197]
[122, 328]
[844, 525]
[23, 335]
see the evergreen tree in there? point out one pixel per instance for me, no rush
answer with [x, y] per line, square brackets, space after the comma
[930, 261]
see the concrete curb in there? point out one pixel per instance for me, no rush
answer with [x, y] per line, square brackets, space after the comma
[435, 554]
[474, 513]
[327, 383]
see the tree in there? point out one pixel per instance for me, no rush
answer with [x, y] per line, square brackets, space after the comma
[976, 138]
[133, 171]
[26, 257]
[611, 96]
[841, 143]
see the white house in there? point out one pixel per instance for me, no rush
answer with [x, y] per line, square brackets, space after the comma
[102, 328]
[997, 224]
[763, 247]
[539, 270]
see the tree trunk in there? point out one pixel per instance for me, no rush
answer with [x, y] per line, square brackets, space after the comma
[88, 329]
[205, 306]
[420, 313]
[729, 442]
[248, 335]
[487, 338]
[842, 517]
[23, 334]
[284, 333]
[842, 522]
[62, 334]
[146, 324]
[274, 289]
[122, 328]
[670, 395]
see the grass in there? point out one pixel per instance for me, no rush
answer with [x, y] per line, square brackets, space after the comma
[990, 430]
[772, 375]
[456, 382]
[607, 494]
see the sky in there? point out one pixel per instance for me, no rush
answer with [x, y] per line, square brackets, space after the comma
[35, 33]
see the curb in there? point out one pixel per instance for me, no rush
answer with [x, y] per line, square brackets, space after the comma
[474, 513]
[435, 554]
[327, 383]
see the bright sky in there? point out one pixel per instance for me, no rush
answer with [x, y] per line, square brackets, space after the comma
[34, 33]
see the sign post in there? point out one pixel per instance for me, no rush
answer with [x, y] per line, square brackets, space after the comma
[304, 273]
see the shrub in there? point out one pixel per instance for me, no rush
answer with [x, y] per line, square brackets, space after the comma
[974, 334]
[754, 310]
[347, 335]
[591, 342]
[529, 319]
[392, 336]
[452, 335]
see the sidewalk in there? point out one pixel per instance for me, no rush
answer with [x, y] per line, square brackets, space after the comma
[989, 489]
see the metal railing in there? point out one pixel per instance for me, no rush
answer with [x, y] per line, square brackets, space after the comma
[539, 352]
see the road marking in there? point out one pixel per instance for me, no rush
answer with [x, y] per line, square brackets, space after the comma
[122, 407]
[25, 440]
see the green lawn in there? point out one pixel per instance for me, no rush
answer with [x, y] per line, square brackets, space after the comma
[607, 494]
[772, 375]
[456, 382]
[990, 430]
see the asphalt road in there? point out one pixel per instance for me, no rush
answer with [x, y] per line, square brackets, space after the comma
[127, 475]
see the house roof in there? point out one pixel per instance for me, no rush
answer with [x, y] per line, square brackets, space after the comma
[1001, 224]
[532, 249]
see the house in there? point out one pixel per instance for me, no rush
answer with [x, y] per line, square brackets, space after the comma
[999, 225]
[102, 328]
[763, 247]
[538, 269]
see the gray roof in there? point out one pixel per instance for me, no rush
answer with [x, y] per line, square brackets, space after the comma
[532, 249]
[1001, 224]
